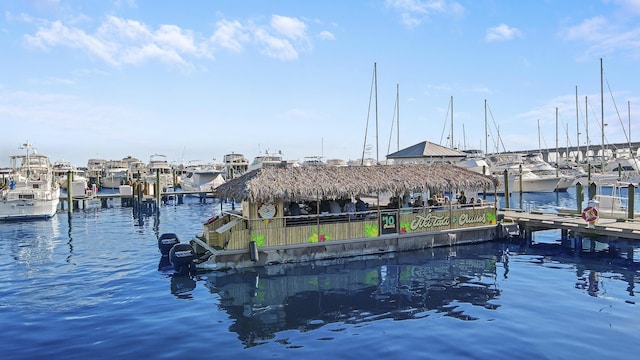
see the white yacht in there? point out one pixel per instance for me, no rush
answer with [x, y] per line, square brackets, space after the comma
[30, 191]
[160, 168]
[477, 162]
[61, 170]
[235, 165]
[94, 170]
[267, 160]
[138, 170]
[525, 180]
[336, 162]
[201, 177]
[538, 166]
[313, 161]
[114, 174]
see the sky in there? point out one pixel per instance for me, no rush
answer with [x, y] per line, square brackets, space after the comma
[195, 80]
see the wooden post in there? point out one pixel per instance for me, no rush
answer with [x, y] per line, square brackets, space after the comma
[630, 202]
[70, 191]
[175, 178]
[520, 180]
[579, 196]
[506, 189]
[158, 188]
[592, 190]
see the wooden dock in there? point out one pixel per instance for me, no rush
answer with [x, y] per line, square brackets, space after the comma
[608, 228]
[138, 200]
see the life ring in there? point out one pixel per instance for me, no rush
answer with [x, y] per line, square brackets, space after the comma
[590, 214]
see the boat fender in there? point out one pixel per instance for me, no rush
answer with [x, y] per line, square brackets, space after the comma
[211, 219]
[166, 242]
[181, 258]
[590, 214]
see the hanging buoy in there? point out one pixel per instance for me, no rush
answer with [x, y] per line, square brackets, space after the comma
[590, 214]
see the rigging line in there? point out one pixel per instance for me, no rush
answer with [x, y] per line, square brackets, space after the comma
[566, 133]
[499, 140]
[444, 126]
[624, 131]
[393, 119]
[584, 120]
[601, 129]
[544, 141]
[366, 128]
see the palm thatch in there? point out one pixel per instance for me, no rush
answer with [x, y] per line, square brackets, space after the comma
[297, 183]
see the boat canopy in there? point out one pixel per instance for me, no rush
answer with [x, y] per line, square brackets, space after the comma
[298, 183]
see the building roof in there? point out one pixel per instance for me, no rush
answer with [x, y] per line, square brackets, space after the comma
[297, 183]
[426, 149]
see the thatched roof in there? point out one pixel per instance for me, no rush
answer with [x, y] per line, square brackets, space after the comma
[298, 183]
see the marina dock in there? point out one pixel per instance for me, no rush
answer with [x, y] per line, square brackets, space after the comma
[529, 222]
[130, 198]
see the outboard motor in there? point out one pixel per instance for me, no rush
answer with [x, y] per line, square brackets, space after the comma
[181, 257]
[166, 242]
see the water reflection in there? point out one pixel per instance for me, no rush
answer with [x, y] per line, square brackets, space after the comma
[33, 242]
[460, 282]
[595, 260]
[265, 301]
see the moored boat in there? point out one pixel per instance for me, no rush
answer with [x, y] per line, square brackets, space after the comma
[61, 170]
[114, 174]
[235, 165]
[288, 214]
[201, 177]
[30, 190]
[160, 170]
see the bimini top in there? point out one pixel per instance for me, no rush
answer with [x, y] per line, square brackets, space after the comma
[297, 183]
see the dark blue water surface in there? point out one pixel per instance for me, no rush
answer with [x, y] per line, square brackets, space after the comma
[88, 285]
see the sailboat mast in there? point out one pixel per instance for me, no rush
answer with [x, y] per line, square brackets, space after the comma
[557, 150]
[577, 129]
[539, 145]
[566, 131]
[629, 112]
[398, 114]
[586, 127]
[602, 109]
[375, 77]
[486, 135]
[464, 138]
[452, 143]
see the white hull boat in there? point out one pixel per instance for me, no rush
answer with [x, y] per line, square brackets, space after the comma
[31, 191]
[535, 183]
[115, 174]
[202, 180]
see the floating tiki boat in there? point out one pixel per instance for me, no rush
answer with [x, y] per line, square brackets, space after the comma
[264, 231]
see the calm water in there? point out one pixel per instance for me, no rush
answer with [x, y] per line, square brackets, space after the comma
[89, 286]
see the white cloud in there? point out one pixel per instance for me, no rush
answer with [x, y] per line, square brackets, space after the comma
[326, 35]
[230, 35]
[413, 12]
[275, 47]
[502, 32]
[291, 28]
[603, 37]
[120, 41]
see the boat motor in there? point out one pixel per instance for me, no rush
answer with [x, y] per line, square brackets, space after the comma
[181, 257]
[166, 242]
